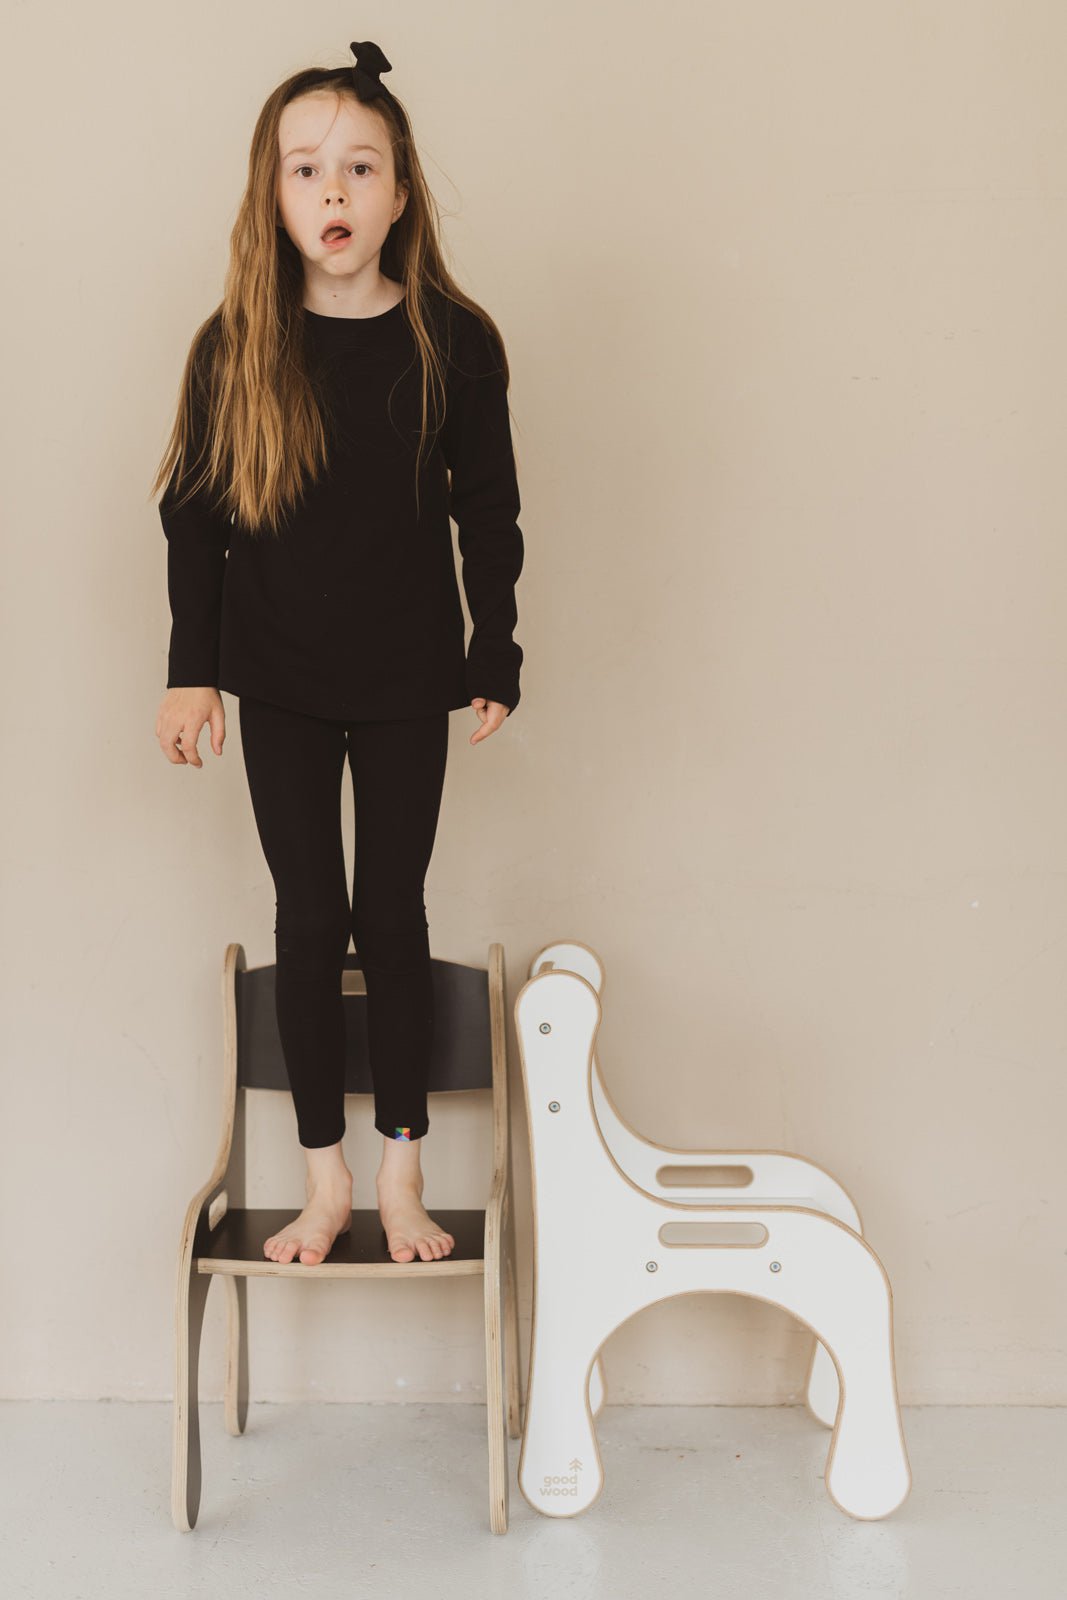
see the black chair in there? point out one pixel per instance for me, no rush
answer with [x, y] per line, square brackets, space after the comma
[222, 1238]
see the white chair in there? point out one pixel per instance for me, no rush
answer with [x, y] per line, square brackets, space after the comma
[613, 1233]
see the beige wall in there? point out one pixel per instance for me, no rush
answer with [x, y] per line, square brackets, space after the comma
[782, 289]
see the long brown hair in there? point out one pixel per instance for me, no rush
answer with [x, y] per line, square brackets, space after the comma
[247, 406]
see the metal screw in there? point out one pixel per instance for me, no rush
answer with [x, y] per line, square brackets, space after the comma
[651, 1266]
[546, 1027]
[553, 1105]
[776, 1266]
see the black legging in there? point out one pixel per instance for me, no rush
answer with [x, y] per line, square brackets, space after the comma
[294, 764]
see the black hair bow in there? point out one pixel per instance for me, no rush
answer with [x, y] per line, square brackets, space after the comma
[370, 61]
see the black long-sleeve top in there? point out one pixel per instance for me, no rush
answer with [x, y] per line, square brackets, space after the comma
[353, 611]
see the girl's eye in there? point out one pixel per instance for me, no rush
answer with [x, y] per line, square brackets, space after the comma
[364, 164]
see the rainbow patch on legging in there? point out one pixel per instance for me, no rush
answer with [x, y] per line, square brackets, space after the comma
[403, 1133]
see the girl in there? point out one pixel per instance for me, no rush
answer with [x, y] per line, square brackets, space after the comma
[344, 400]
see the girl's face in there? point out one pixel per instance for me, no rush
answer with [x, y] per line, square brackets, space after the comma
[335, 165]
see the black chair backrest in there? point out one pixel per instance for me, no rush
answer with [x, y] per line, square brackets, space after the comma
[461, 1056]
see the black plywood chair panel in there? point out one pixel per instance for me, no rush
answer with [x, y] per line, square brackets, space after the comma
[461, 1056]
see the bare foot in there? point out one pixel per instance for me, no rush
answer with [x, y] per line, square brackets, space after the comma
[408, 1226]
[327, 1214]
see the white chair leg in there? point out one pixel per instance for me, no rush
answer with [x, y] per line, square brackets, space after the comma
[597, 1386]
[843, 1294]
[823, 1392]
[560, 1471]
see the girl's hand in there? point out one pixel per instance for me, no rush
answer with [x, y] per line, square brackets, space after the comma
[182, 714]
[492, 714]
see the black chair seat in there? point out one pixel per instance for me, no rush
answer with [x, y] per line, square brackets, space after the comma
[236, 1244]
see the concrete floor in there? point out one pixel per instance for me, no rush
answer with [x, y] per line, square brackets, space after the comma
[323, 1499]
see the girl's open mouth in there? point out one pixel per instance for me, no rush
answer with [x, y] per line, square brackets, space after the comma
[336, 236]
